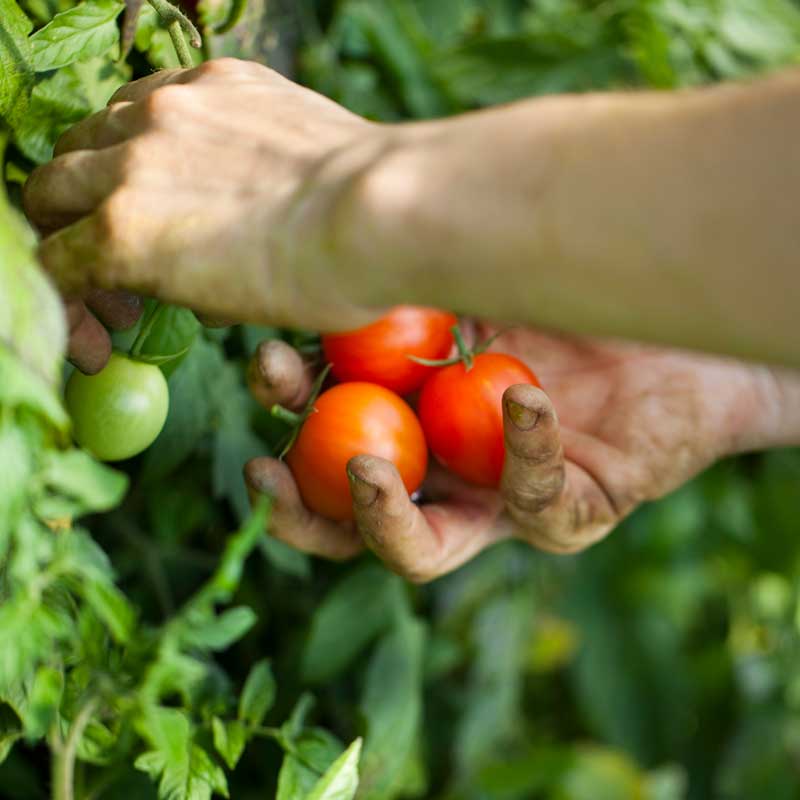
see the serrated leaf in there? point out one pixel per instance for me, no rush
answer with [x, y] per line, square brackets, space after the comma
[184, 770]
[312, 753]
[77, 34]
[353, 613]
[91, 485]
[341, 780]
[230, 739]
[58, 101]
[258, 694]
[16, 70]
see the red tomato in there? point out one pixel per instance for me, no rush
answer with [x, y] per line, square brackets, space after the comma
[354, 419]
[461, 412]
[379, 352]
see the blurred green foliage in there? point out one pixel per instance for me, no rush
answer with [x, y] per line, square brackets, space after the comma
[662, 664]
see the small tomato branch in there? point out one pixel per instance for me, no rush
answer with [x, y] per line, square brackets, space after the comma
[64, 758]
[178, 26]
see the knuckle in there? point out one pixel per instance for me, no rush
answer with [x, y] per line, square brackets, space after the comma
[165, 100]
[220, 66]
[532, 499]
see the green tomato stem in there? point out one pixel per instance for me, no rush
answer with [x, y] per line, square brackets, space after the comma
[234, 15]
[285, 415]
[463, 351]
[64, 761]
[178, 26]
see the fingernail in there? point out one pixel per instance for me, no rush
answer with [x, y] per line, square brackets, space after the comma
[523, 418]
[364, 494]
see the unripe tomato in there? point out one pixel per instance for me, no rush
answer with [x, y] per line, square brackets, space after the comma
[461, 412]
[118, 412]
[354, 419]
[379, 353]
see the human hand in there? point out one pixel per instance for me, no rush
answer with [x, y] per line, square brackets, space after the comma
[192, 186]
[620, 424]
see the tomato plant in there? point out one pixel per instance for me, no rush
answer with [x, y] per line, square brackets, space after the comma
[460, 408]
[117, 413]
[379, 353]
[353, 419]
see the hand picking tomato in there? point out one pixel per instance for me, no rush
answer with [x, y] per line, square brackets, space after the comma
[379, 353]
[461, 411]
[354, 419]
[118, 412]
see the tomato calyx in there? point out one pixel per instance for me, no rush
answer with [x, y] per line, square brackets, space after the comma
[296, 419]
[465, 355]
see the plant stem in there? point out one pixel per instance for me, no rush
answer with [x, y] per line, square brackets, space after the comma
[285, 415]
[178, 25]
[179, 43]
[64, 761]
[463, 351]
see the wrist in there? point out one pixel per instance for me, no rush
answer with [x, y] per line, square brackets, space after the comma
[766, 412]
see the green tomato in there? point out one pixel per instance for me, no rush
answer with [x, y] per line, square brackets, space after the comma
[118, 412]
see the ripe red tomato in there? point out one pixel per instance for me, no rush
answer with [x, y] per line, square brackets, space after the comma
[354, 419]
[379, 352]
[461, 413]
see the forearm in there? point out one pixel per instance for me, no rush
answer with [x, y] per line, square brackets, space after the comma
[662, 217]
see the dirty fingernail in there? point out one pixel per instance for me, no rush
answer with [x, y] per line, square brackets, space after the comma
[364, 494]
[523, 418]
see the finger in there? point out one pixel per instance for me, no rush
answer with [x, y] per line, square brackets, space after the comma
[291, 521]
[117, 310]
[277, 374]
[136, 90]
[72, 255]
[419, 543]
[70, 187]
[113, 125]
[533, 472]
[89, 343]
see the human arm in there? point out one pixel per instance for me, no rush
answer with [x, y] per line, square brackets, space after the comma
[665, 217]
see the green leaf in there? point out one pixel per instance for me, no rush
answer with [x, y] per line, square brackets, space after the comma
[43, 701]
[10, 729]
[32, 324]
[341, 780]
[58, 101]
[230, 739]
[353, 613]
[112, 607]
[92, 486]
[16, 71]
[192, 410]
[183, 769]
[100, 78]
[258, 694]
[221, 631]
[77, 34]
[392, 707]
[167, 332]
[312, 752]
